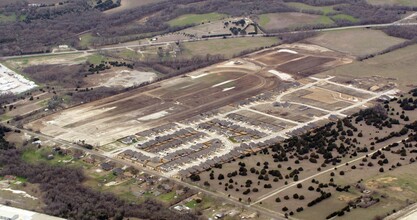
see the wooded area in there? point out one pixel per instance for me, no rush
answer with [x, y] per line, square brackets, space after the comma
[65, 196]
[44, 27]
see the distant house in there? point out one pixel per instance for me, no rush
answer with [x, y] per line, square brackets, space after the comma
[179, 192]
[128, 140]
[106, 166]
[118, 171]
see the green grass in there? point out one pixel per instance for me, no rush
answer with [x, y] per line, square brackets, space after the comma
[264, 19]
[167, 197]
[5, 117]
[226, 47]
[95, 59]
[34, 156]
[345, 17]
[86, 40]
[392, 2]
[324, 20]
[191, 204]
[302, 6]
[107, 178]
[11, 18]
[189, 19]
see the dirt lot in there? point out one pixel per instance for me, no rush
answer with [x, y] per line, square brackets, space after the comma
[402, 62]
[320, 98]
[119, 77]
[300, 60]
[115, 117]
[355, 42]
[306, 66]
[293, 112]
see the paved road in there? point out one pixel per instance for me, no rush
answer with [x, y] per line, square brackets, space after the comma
[63, 143]
[397, 23]
[273, 193]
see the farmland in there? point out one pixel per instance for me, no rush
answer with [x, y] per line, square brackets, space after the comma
[227, 47]
[277, 21]
[393, 2]
[302, 6]
[189, 19]
[129, 4]
[356, 42]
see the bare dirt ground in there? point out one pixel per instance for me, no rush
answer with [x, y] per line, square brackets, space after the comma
[115, 117]
[120, 77]
[300, 60]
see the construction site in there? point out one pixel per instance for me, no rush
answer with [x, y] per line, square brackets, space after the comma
[190, 123]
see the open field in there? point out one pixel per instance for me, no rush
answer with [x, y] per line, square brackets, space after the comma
[218, 27]
[130, 4]
[393, 2]
[189, 19]
[401, 62]
[302, 6]
[173, 99]
[67, 59]
[227, 47]
[355, 42]
[277, 21]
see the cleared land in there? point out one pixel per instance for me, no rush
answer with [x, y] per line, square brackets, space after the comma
[277, 21]
[115, 117]
[393, 2]
[356, 41]
[227, 47]
[189, 19]
[129, 4]
[398, 66]
[302, 6]
[299, 60]
[218, 27]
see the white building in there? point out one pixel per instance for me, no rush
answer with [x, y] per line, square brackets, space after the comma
[10, 213]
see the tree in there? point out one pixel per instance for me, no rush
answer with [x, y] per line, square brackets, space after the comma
[220, 177]
[195, 177]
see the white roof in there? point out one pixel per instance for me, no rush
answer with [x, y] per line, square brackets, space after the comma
[10, 212]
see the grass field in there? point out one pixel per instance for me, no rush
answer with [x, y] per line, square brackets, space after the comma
[195, 19]
[392, 2]
[302, 6]
[129, 4]
[355, 41]
[86, 40]
[227, 47]
[345, 17]
[399, 64]
[10, 18]
[276, 21]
